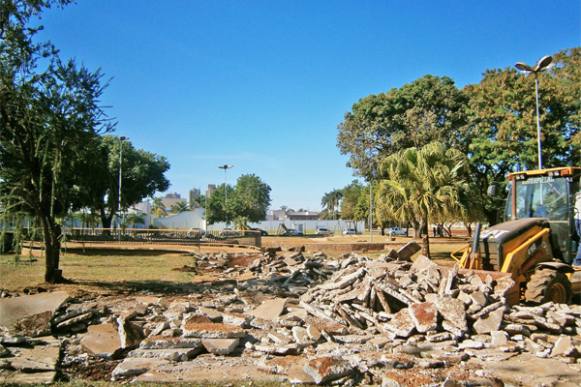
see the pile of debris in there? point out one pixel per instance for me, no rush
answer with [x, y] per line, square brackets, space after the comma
[293, 270]
[365, 321]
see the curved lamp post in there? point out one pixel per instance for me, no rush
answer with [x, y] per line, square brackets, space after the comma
[225, 167]
[541, 65]
[122, 220]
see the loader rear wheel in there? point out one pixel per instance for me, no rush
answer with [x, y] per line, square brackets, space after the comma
[547, 285]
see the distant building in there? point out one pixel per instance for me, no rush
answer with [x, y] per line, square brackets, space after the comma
[289, 214]
[171, 199]
[211, 189]
[302, 215]
[195, 194]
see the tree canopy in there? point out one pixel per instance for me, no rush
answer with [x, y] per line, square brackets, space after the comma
[492, 123]
[143, 174]
[429, 109]
[49, 117]
[248, 200]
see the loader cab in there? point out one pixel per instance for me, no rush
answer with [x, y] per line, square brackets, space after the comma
[548, 194]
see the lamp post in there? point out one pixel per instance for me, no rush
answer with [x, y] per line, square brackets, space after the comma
[541, 65]
[226, 167]
[121, 140]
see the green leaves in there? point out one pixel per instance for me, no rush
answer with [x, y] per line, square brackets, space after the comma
[247, 201]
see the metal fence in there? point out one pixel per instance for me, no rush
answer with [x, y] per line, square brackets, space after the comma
[164, 236]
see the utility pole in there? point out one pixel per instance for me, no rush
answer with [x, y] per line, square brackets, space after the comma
[226, 167]
[541, 65]
[121, 140]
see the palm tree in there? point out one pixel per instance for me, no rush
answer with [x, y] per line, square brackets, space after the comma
[180, 206]
[135, 218]
[158, 208]
[423, 186]
[330, 202]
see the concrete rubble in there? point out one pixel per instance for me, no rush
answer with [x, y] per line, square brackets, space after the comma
[350, 321]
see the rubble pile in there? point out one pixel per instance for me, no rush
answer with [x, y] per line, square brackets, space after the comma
[293, 270]
[348, 321]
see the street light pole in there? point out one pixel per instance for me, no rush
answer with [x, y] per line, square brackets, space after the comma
[226, 167]
[541, 65]
[121, 139]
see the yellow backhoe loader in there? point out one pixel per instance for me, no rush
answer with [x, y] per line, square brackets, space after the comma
[539, 239]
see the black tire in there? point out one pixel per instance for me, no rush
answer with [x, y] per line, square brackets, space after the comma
[547, 285]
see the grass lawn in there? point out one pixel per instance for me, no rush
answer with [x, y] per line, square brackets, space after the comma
[106, 271]
[119, 270]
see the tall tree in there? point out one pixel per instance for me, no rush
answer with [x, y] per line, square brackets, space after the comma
[180, 206]
[158, 208]
[49, 115]
[502, 124]
[423, 185]
[142, 175]
[429, 109]
[351, 196]
[246, 202]
[331, 202]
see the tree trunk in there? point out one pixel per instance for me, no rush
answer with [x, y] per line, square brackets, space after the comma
[426, 245]
[106, 222]
[468, 229]
[417, 229]
[52, 245]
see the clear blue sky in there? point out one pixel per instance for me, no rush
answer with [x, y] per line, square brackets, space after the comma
[263, 84]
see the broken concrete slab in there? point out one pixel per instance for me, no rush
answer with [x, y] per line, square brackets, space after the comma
[401, 324]
[563, 347]
[41, 307]
[452, 309]
[270, 310]
[220, 346]
[326, 369]
[406, 251]
[424, 316]
[210, 330]
[171, 354]
[135, 366]
[40, 358]
[102, 340]
[489, 323]
[164, 342]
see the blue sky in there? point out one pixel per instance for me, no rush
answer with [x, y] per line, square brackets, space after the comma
[263, 84]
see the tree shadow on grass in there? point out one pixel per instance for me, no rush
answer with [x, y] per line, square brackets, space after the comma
[264, 286]
[122, 252]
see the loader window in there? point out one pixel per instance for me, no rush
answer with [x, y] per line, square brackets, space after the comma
[542, 197]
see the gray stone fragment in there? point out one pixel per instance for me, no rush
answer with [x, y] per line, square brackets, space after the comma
[424, 316]
[326, 369]
[220, 346]
[401, 324]
[171, 354]
[405, 252]
[489, 323]
[498, 338]
[452, 309]
[135, 366]
[563, 347]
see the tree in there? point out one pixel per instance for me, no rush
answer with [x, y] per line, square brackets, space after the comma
[429, 109]
[158, 208]
[246, 202]
[49, 115]
[331, 202]
[135, 218]
[421, 186]
[143, 174]
[502, 124]
[220, 207]
[180, 206]
[350, 198]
